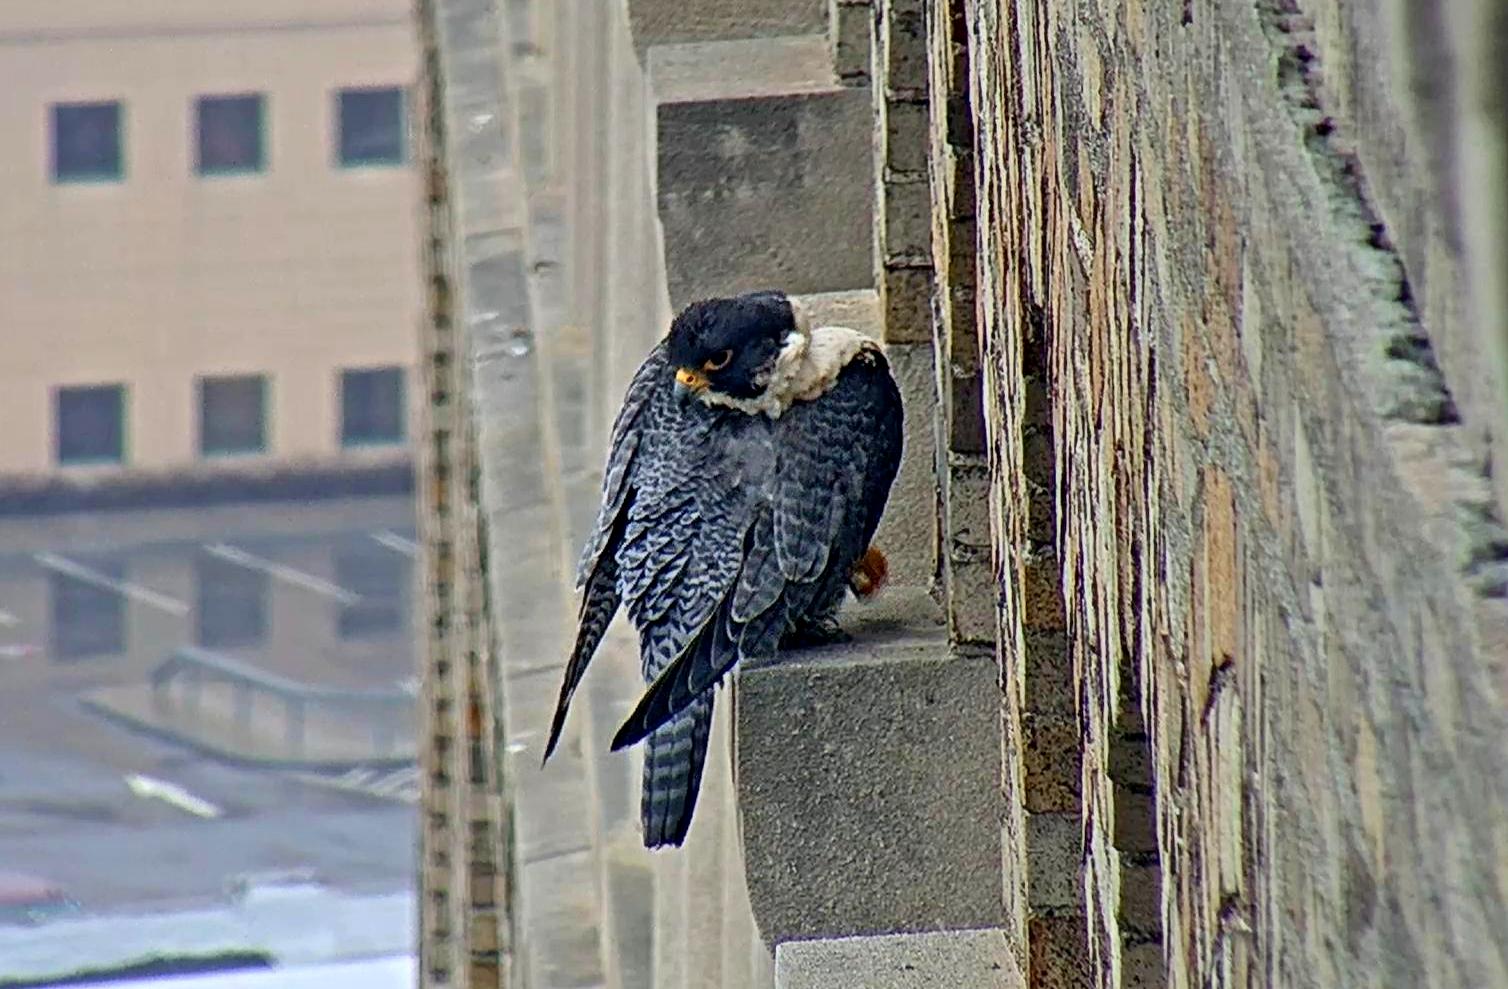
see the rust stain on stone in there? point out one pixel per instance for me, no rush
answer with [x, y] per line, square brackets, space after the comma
[1042, 595]
[1196, 377]
[1223, 577]
[1267, 480]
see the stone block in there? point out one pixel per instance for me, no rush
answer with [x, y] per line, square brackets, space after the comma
[850, 39]
[564, 937]
[1141, 900]
[902, 130]
[1054, 856]
[1050, 686]
[662, 22]
[906, 300]
[1135, 821]
[1052, 761]
[966, 427]
[1059, 951]
[908, 532]
[977, 959]
[969, 506]
[857, 310]
[878, 758]
[1043, 594]
[971, 601]
[903, 49]
[1142, 967]
[764, 169]
[905, 231]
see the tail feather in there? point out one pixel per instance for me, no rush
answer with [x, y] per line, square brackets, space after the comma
[598, 606]
[674, 755]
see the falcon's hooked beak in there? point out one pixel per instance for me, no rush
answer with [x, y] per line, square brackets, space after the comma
[688, 384]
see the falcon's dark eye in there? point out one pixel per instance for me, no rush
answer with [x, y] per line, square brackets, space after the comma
[719, 362]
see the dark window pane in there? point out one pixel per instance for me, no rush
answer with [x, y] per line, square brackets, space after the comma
[86, 141]
[230, 604]
[371, 406]
[371, 126]
[90, 424]
[380, 577]
[87, 620]
[232, 414]
[230, 133]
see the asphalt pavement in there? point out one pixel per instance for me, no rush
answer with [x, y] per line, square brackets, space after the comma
[322, 593]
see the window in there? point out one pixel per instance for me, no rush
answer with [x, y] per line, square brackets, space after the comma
[90, 424]
[371, 407]
[232, 415]
[380, 577]
[230, 134]
[230, 607]
[87, 620]
[370, 126]
[86, 142]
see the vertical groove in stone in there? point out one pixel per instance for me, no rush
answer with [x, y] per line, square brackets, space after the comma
[1011, 97]
[437, 948]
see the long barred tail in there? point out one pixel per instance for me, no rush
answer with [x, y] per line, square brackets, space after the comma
[673, 757]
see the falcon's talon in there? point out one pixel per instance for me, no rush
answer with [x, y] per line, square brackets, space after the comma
[813, 635]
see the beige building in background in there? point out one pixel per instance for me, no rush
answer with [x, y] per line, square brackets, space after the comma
[207, 237]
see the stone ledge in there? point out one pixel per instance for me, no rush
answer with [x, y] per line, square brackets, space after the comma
[975, 959]
[868, 781]
[722, 70]
[763, 169]
[660, 22]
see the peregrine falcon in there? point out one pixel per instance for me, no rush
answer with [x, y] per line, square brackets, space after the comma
[749, 466]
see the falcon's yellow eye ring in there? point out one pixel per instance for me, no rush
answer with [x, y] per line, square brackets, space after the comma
[719, 362]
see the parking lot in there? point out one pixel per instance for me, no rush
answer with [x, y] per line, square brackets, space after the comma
[320, 593]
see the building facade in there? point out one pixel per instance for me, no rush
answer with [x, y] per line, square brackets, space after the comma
[1192, 673]
[207, 264]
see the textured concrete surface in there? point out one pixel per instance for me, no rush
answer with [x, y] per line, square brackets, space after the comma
[1230, 264]
[875, 758]
[978, 959]
[666, 22]
[762, 170]
[1207, 295]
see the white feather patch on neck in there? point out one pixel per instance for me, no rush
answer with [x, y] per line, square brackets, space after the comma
[806, 368]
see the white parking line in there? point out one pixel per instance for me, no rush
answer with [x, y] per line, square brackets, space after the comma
[125, 588]
[354, 779]
[398, 784]
[171, 794]
[287, 574]
[393, 541]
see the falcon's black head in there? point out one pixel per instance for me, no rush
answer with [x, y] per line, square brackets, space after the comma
[727, 347]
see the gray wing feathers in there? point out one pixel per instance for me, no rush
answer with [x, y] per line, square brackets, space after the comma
[807, 512]
[598, 606]
[719, 532]
[836, 459]
[623, 448]
[598, 571]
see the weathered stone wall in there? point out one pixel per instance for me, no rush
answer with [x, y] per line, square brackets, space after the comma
[1198, 313]
[1217, 260]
